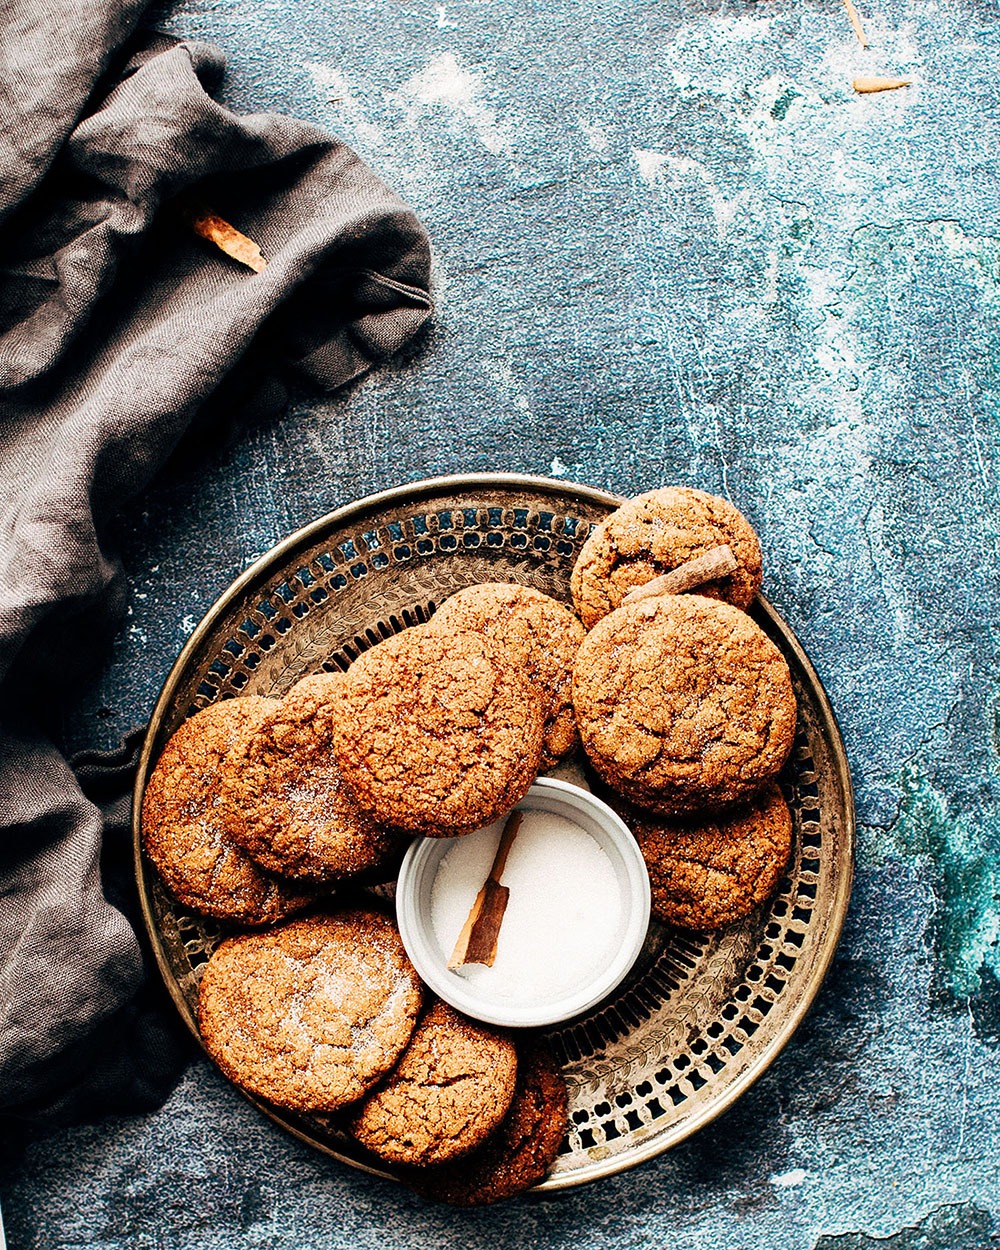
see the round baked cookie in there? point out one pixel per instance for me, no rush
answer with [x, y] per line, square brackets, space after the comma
[437, 733]
[542, 638]
[706, 873]
[654, 533]
[289, 807]
[310, 1015]
[522, 1149]
[449, 1091]
[184, 826]
[684, 704]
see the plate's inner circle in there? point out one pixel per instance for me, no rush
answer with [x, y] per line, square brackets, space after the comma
[701, 1014]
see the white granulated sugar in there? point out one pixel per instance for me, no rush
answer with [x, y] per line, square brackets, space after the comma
[563, 920]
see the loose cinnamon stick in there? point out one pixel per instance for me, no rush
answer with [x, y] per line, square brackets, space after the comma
[477, 942]
[864, 86]
[715, 563]
[855, 21]
[227, 238]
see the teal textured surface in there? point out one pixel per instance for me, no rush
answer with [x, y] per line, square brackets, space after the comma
[671, 245]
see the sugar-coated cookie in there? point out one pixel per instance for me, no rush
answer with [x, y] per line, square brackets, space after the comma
[437, 734]
[310, 1015]
[654, 533]
[709, 872]
[287, 801]
[522, 1149]
[684, 704]
[542, 638]
[449, 1091]
[186, 826]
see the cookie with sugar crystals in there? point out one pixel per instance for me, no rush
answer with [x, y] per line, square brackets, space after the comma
[684, 704]
[519, 1153]
[542, 638]
[289, 806]
[312, 1014]
[711, 871]
[654, 533]
[437, 733]
[449, 1091]
[186, 825]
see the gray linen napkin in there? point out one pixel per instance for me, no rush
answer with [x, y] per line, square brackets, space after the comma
[117, 327]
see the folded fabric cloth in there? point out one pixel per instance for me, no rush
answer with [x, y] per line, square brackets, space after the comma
[117, 326]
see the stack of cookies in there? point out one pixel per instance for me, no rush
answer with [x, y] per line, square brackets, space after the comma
[685, 707]
[259, 807]
[326, 1014]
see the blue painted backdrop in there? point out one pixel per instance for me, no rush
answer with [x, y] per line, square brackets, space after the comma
[672, 245]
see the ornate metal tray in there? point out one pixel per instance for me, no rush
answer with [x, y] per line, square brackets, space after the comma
[701, 1016]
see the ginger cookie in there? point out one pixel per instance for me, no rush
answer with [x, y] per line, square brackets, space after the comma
[312, 1014]
[449, 1091]
[520, 1151]
[290, 808]
[653, 534]
[185, 823]
[684, 704]
[542, 638]
[707, 873]
[437, 734]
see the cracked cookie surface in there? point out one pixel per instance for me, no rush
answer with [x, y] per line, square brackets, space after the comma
[684, 704]
[312, 1014]
[437, 734]
[654, 533]
[450, 1090]
[520, 1151]
[707, 873]
[185, 827]
[290, 808]
[542, 638]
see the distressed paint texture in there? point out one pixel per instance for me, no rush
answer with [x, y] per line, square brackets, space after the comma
[671, 245]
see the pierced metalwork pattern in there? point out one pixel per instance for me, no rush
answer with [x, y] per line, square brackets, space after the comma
[701, 1015]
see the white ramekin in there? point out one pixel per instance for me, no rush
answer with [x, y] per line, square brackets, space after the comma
[413, 904]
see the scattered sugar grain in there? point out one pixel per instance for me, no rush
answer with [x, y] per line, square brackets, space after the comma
[563, 920]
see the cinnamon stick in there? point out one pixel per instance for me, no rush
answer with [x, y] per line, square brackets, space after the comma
[715, 563]
[477, 942]
[227, 238]
[864, 86]
[855, 21]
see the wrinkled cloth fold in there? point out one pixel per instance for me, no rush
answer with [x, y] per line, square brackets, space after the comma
[118, 329]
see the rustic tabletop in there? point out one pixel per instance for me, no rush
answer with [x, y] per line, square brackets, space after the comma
[672, 244]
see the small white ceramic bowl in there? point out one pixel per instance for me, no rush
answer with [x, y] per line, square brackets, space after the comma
[413, 911]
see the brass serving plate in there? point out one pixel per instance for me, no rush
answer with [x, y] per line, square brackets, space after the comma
[702, 1016]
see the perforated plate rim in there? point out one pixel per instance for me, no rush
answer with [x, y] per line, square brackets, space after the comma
[416, 493]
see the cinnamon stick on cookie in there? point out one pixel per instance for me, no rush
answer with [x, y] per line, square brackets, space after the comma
[719, 562]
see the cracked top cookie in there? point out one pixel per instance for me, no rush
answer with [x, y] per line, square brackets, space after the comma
[450, 1090]
[522, 1149]
[437, 734]
[653, 534]
[184, 823]
[684, 704]
[312, 1014]
[288, 805]
[707, 873]
[542, 638]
